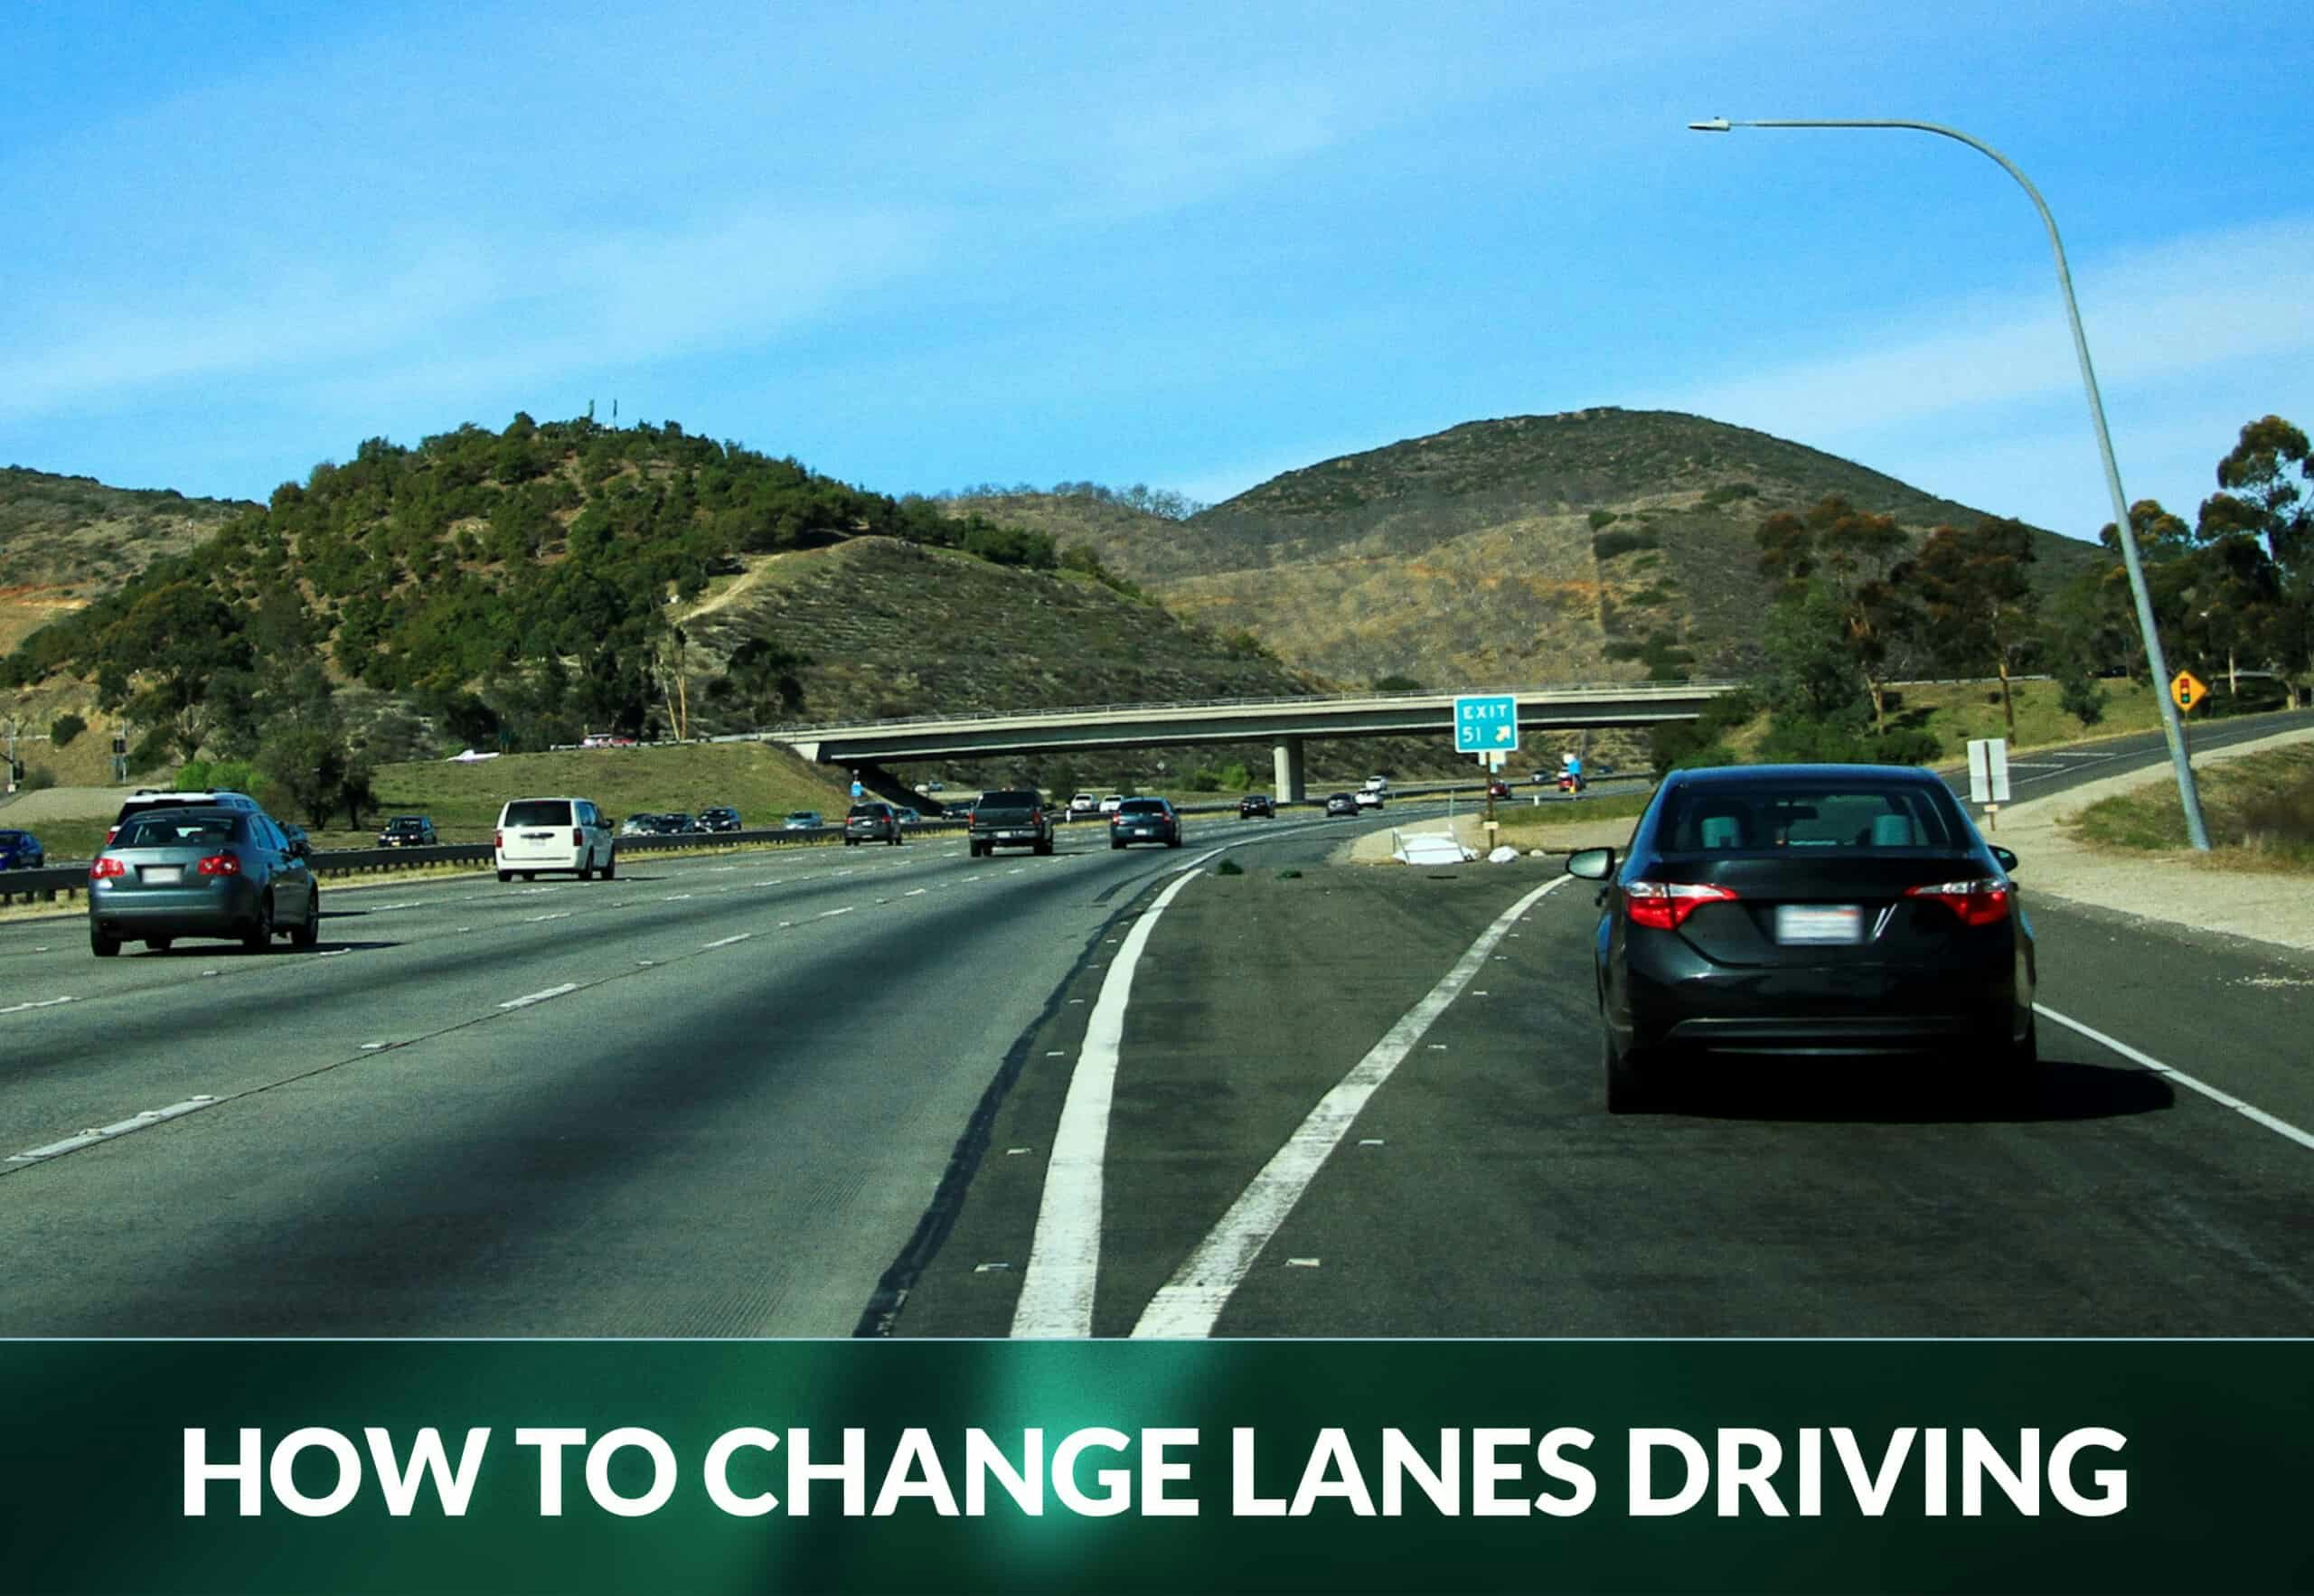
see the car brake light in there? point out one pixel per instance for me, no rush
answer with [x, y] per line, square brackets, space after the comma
[1981, 902]
[1665, 906]
[110, 832]
[219, 864]
[498, 841]
[107, 869]
[578, 838]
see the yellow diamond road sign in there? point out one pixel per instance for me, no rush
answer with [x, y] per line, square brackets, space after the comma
[2185, 690]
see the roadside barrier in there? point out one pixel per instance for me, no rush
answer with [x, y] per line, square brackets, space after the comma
[66, 882]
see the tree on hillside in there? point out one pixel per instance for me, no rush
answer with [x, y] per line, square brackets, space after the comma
[1979, 603]
[2266, 500]
[1862, 562]
[762, 676]
[156, 661]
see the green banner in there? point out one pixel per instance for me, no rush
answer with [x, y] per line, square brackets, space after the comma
[1111, 1466]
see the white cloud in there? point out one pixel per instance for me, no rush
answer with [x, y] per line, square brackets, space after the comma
[2150, 315]
[469, 312]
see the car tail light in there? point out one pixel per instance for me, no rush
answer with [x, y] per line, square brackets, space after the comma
[578, 838]
[1665, 906]
[219, 864]
[110, 832]
[498, 841]
[107, 869]
[1981, 902]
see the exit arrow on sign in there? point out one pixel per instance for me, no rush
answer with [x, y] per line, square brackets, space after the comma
[1504, 734]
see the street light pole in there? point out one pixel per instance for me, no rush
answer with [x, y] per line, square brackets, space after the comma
[2172, 731]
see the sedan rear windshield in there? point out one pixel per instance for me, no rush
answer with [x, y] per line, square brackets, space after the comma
[1142, 806]
[1762, 815]
[1022, 800]
[181, 829]
[538, 812]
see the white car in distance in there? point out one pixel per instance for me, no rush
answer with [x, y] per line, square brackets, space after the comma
[538, 836]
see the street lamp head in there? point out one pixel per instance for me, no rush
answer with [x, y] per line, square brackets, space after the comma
[1715, 125]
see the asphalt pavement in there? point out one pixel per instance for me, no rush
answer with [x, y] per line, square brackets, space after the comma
[823, 1092]
[714, 1096]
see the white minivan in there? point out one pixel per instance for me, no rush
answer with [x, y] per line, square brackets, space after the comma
[536, 835]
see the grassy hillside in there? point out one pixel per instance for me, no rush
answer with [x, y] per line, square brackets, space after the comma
[1528, 549]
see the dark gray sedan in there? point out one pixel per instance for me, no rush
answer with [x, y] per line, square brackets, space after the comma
[201, 872]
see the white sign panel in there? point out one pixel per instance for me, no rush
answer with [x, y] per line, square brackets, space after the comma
[1989, 771]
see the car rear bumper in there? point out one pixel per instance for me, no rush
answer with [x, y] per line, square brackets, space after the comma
[561, 858]
[217, 910]
[1851, 1009]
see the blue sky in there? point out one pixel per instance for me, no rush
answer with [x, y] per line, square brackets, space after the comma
[919, 247]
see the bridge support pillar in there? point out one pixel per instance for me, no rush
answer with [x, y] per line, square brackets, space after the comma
[1287, 757]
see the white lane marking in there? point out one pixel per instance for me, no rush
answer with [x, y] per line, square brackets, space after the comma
[556, 991]
[143, 1121]
[1023, 870]
[913, 892]
[537, 919]
[375, 1046]
[677, 899]
[333, 952]
[1065, 1257]
[1189, 1303]
[2279, 1127]
[43, 1003]
[832, 913]
[725, 942]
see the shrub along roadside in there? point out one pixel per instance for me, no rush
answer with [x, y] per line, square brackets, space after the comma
[2260, 809]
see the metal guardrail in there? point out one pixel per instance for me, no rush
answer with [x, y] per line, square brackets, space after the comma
[69, 880]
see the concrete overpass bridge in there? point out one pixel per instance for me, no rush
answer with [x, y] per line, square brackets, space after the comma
[1282, 723]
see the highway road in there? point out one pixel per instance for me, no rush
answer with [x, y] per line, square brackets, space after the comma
[826, 1092]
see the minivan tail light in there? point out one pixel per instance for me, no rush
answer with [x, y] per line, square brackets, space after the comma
[1665, 906]
[1981, 902]
[107, 868]
[219, 864]
[498, 842]
[578, 838]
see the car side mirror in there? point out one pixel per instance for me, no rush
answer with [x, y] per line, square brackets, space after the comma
[2007, 859]
[1592, 864]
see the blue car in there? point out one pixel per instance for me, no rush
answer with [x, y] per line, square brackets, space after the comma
[21, 851]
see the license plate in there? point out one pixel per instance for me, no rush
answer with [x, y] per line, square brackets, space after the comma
[537, 836]
[161, 875]
[1818, 924]
[1012, 836]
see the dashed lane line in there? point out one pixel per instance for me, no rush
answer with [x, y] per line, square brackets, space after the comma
[725, 942]
[528, 999]
[1189, 1303]
[42, 1003]
[112, 1133]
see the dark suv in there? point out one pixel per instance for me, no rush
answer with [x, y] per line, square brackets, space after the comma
[1013, 817]
[407, 831]
[1145, 820]
[721, 818]
[871, 822]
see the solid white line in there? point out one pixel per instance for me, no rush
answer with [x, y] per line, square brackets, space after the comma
[552, 991]
[1189, 1303]
[143, 1121]
[1065, 1257]
[725, 942]
[43, 1003]
[2279, 1127]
